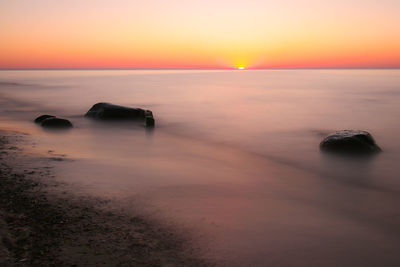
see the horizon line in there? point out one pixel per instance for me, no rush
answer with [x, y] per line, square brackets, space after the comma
[271, 68]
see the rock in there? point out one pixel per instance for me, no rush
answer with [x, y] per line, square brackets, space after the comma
[106, 111]
[51, 121]
[149, 121]
[54, 122]
[42, 118]
[350, 142]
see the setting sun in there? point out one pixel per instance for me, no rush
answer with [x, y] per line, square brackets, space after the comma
[149, 34]
[241, 68]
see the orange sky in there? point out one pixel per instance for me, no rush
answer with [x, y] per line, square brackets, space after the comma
[199, 34]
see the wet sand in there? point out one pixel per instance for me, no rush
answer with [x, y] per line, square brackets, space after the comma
[42, 223]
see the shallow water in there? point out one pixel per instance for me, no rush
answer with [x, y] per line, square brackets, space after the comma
[234, 156]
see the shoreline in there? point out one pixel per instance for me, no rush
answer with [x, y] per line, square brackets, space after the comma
[40, 226]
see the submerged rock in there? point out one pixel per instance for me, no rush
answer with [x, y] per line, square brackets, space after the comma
[54, 122]
[107, 111]
[350, 142]
[43, 117]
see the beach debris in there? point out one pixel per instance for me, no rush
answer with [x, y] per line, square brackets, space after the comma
[50, 121]
[107, 111]
[350, 142]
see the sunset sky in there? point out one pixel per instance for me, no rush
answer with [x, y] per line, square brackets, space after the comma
[199, 34]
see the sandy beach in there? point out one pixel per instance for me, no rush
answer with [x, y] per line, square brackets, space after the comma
[42, 223]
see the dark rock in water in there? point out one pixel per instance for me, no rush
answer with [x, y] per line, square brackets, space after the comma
[350, 142]
[106, 111]
[56, 123]
[50, 121]
[149, 121]
[42, 118]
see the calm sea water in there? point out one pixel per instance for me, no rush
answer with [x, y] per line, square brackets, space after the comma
[234, 157]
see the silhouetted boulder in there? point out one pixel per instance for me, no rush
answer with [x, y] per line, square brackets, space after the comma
[54, 122]
[42, 118]
[107, 111]
[350, 142]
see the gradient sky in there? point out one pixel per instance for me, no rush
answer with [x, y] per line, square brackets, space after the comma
[199, 34]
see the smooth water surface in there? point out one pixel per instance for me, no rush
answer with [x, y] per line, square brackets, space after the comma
[234, 156]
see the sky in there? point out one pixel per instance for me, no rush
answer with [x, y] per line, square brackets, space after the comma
[199, 34]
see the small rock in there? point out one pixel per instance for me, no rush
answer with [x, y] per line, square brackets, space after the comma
[350, 142]
[43, 117]
[56, 123]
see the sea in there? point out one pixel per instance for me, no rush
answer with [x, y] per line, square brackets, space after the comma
[234, 160]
